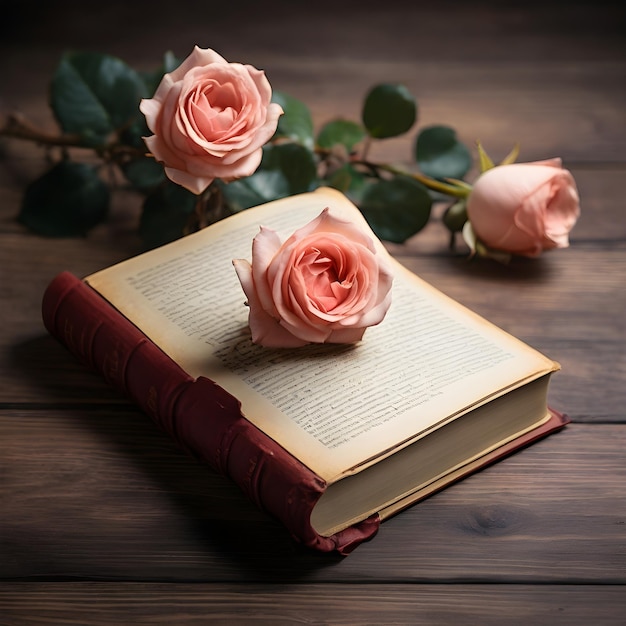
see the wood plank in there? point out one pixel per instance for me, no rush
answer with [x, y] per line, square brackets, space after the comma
[600, 190]
[590, 385]
[106, 496]
[101, 604]
[559, 89]
[536, 104]
[531, 29]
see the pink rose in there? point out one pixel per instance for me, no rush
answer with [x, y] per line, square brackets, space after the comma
[210, 119]
[524, 208]
[325, 284]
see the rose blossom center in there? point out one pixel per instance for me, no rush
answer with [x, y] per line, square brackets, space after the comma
[326, 286]
[213, 110]
[561, 213]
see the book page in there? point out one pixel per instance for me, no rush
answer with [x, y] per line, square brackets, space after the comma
[334, 407]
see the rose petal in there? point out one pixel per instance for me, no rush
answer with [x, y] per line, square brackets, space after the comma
[264, 247]
[191, 182]
[346, 335]
[210, 119]
[562, 212]
[199, 57]
[266, 330]
[524, 208]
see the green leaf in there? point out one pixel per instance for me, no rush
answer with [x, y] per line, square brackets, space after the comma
[396, 209]
[66, 201]
[170, 62]
[152, 79]
[296, 162]
[94, 94]
[286, 169]
[144, 173]
[479, 249]
[484, 159]
[166, 212]
[341, 132]
[348, 180]
[440, 154]
[389, 110]
[296, 122]
[133, 135]
[263, 186]
[511, 157]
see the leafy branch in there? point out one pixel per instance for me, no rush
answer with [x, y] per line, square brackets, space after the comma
[95, 101]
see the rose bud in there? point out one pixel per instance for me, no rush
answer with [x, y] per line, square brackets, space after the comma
[524, 208]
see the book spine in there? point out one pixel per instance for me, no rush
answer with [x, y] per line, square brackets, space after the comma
[200, 416]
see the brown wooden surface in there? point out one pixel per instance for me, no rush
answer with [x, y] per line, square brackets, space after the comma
[104, 521]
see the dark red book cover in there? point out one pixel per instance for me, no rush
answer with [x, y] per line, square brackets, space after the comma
[202, 418]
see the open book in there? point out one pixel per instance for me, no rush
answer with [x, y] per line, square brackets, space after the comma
[428, 395]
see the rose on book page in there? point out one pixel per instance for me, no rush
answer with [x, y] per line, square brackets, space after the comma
[325, 284]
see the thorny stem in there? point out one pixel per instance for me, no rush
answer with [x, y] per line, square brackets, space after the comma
[456, 189]
[200, 211]
[18, 127]
[452, 243]
[208, 209]
[366, 148]
[449, 189]
[215, 209]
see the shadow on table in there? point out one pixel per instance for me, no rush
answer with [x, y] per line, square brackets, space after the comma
[205, 525]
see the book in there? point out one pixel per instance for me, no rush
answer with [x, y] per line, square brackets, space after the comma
[329, 439]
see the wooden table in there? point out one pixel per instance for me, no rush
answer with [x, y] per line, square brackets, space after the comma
[105, 521]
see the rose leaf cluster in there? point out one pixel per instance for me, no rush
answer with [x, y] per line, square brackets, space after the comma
[204, 137]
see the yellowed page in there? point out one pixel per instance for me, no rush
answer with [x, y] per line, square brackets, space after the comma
[334, 407]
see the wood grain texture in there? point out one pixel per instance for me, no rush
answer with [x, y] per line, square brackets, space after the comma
[108, 483]
[104, 521]
[101, 604]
